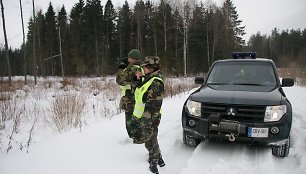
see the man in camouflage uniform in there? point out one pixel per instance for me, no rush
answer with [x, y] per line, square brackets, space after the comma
[126, 78]
[148, 102]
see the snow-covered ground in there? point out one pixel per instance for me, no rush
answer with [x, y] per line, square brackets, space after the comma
[103, 147]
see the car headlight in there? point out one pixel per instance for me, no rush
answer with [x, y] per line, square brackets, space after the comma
[275, 113]
[194, 108]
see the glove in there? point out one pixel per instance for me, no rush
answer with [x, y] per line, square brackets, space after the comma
[122, 65]
[155, 123]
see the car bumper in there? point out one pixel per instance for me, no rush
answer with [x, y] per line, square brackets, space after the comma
[200, 128]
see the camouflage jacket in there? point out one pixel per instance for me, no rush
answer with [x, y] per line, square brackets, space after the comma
[153, 99]
[127, 77]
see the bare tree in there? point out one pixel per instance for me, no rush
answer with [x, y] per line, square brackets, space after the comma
[34, 45]
[6, 46]
[186, 8]
[165, 25]
[61, 53]
[23, 42]
[187, 16]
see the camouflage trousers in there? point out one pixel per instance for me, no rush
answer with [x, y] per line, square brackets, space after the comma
[131, 124]
[152, 145]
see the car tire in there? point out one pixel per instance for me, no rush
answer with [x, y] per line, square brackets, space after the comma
[282, 150]
[190, 141]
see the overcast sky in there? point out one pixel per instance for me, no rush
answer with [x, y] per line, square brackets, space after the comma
[257, 15]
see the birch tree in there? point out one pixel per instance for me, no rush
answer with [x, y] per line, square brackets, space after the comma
[187, 16]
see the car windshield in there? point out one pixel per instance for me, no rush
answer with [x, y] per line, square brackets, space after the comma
[243, 74]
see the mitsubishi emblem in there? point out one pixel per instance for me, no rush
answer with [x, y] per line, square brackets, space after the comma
[231, 111]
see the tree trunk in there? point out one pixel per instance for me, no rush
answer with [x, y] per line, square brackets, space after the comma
[165, 37]
[34, 45]
[42, 71]
[178, 70]
[24, 46]
[207, 42]
[97, 52]
[139, 34]
[155, 35]
[6, 46]
[213, 47]
[185, 40]
[185, 50]
[120, 40]
[61, 53]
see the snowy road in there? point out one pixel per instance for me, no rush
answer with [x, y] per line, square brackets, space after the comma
[103, 147]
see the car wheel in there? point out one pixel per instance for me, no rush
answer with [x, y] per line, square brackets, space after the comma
[282, 150]
[190, 141]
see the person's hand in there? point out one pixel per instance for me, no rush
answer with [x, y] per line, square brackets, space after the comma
[138, 75]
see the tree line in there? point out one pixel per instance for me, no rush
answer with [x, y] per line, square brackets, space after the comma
[188, 36]
[287, 47]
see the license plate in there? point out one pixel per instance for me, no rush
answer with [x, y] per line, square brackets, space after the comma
[258, 132]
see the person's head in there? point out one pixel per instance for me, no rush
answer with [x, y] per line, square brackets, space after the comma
[133, 56]
[150, 64]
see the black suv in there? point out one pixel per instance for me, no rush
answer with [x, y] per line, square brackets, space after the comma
[241, 100]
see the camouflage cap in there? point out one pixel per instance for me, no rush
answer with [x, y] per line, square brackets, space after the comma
[151, 60]
[135, 54]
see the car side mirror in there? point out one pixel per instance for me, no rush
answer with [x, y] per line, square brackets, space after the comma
[199, 80]
[287, 82]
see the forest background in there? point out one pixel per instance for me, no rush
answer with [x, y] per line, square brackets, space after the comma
[188, 37]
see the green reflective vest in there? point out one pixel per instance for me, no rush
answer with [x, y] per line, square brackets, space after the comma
[124, 88]
[128, 86]
[139, 92]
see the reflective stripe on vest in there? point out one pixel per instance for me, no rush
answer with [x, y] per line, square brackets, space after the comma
[124, 88]
[139, 105]
[128, 86]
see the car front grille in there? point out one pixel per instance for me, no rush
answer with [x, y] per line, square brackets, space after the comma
[241, 113]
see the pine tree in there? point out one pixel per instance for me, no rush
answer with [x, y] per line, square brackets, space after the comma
[234, 31]
[149, 39]
[178, 44]
[29, 46]
[63, 31]
[76, 26]
[41, 42]
[164, 24]
[111, 44]
[51, 46]
[198, 44]
[138, 25]
[92, 42]
[124, 29]
[274, 45]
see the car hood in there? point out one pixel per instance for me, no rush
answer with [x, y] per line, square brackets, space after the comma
[209, 95]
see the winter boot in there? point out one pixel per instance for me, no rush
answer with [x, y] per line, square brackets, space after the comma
[161, 162]
[153, 167]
